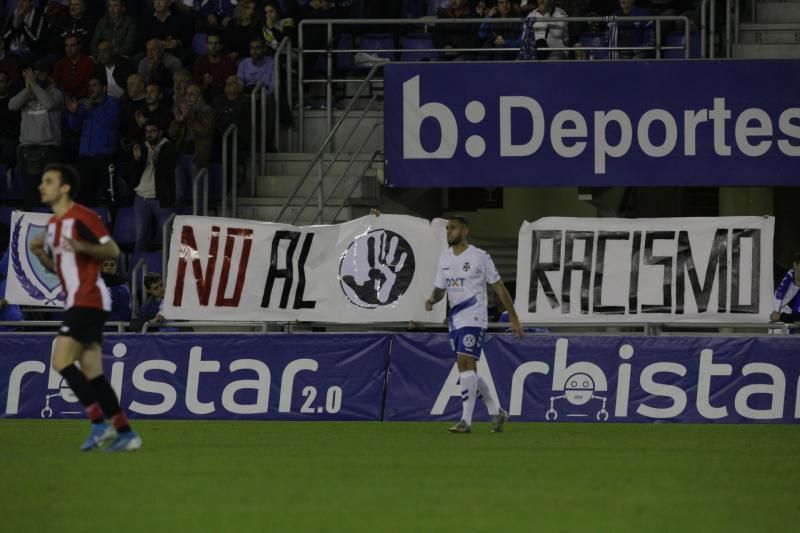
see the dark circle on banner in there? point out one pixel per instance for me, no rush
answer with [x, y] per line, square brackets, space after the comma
[377, 269]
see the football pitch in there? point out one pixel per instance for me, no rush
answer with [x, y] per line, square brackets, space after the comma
[405, 477]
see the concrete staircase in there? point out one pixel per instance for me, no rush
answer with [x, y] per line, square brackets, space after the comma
[284, 171]
[775, 33]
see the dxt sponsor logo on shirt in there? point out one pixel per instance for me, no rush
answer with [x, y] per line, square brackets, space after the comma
[456, 283]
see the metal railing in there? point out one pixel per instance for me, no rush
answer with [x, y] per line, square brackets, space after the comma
[330, 50]
[319, 154]
[166, 241]
[285, 48]
[231, 133]
[201, 176]
[141, 265]
[259, 90]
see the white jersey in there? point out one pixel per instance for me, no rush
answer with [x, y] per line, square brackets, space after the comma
[465, 277]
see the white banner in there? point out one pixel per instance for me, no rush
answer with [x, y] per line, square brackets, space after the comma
[645, 270]
[372, 269]
[28, 283]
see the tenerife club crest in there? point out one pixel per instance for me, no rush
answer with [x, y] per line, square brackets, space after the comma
[31, 283]
[377, 269]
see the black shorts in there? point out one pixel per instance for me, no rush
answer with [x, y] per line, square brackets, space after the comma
[84, 324]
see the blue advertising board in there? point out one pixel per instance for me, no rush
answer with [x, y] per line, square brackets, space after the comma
[605, 379]
[407, 377]
[602, 123]
[265, 377]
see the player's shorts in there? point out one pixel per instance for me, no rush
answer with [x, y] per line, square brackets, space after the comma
[84, 324]
[467, 341]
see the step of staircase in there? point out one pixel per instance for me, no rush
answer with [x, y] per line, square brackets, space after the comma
[504, 255]
[766, 51]
[296, 164]
[777, 12]
[787, 33]
[332, 187]
[267, 209]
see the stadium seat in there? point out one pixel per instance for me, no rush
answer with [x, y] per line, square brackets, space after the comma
[124, 232]
[418, 41]
[199, 44]
[678, 39]
[589, 40]
[345, 60]
[104, 215]
[11, 189]
[374, 43]
[5, 215]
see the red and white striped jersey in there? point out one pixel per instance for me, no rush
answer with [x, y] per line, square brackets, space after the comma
[79, 273]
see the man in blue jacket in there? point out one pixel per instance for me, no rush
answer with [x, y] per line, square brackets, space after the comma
[97, 118]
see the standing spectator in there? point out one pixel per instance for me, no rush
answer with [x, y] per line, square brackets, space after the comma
[157, 66]
[638, 34]
[9, 126]
[118, 290]
[9, 65]
[154, 110]
[786, 306]
[539, 37]
[499, 36]
[239, 33]
[455, 36]
[41, 104]
[72, 72]
[193, 131]
[258, 68]
[232, 107]
[117, 28]
[132, 103]
[154, 182]
[212, 69]
[24, 31]
[116, 70]
[97, 118]
[75, 22]
[171, 28]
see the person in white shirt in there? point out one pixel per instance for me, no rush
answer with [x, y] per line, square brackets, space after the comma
[462, 274]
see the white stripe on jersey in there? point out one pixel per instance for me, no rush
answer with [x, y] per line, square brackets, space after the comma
[68, 263]
[465, 276]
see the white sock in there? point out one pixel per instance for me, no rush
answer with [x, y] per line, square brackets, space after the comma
[485, 394]
[469, 391]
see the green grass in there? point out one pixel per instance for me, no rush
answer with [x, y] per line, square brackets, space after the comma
[273, 476]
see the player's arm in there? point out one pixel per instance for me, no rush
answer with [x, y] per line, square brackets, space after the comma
[39, 249]
[436, 296]
[105, 249]
[508, 303]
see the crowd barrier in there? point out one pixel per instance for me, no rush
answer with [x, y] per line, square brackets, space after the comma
[412, 376]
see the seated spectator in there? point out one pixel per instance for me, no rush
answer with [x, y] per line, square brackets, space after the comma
[276, 28]
[217, 13]
[40, 132]
[154, 183]
[452, 37]
[118, 290]
[170, 27]
[498, 36]
[8, 312]
[639, 33]
[72, 72]
[116, 70]
[212, 69]
[434, 6]
[74, 22]
[258, 68]
[24, 32]
[157, 66]
[539, 37]
[97, 118]
[117, 28]
[242, 30]
[786, 306]
[152, 309]
[193, 131]
[9, 65]
[9, 126]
